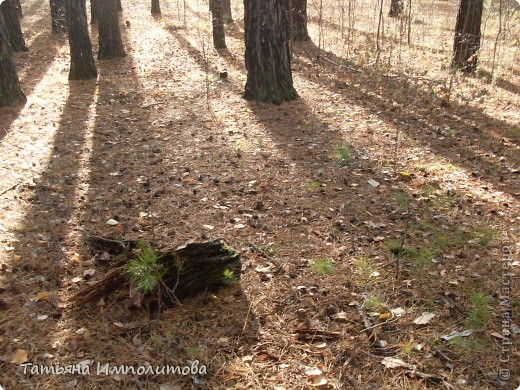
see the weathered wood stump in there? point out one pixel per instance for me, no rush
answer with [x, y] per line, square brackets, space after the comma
[190, 269]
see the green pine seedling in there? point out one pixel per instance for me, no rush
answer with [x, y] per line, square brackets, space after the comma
[323, 266]
[145, 271]
[343, 152]
[229, 277]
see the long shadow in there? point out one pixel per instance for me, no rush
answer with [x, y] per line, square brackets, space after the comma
[299, 134]
[468, 129]
[500, 82]
[132, 176]
[31, 68]
[40, 237]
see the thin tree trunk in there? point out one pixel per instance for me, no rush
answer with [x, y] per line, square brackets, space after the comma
[156, 7]
[10, 92]
[396, 8]
[217, 20]
[82, 65]
[226, 8]
[268, 58]
[110, 42]
[18, 6]
[12, 25]
[298, 20]
[58, 16]
[94, 11]
[466, 44]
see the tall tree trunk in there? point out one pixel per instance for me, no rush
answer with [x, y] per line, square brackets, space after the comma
[10, 92]
[156, 7]
[268, 58]
[82, 65]
[58, 16]
[18, 6]
[110, 42]
[94, 11]
[396, 8]
[466, 44]
[226, 9]
[217, 19]
[298, 20]
[11, 23]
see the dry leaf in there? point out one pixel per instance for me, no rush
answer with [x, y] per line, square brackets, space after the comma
[398, 312]
[391, 362]
[42, 295]
[385, 316]
[20, 356]
[112, 222]
[319, 381]
[313, 371]
[424, 318]
[374, 183]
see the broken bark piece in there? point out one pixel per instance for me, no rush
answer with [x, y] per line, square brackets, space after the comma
[190, 269]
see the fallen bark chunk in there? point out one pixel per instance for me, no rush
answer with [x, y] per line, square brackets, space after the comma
[188, 270]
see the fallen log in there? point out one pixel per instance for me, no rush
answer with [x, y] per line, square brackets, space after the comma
[185, 272]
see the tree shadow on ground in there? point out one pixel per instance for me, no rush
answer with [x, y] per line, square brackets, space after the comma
[132, 169]
[31, 67]
[462, 134]
[499, 82]
[305, 139]
[46, 226]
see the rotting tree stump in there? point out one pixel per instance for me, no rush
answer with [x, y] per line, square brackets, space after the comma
[189, 270]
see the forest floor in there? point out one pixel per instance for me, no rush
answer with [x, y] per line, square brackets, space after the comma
[390, 206]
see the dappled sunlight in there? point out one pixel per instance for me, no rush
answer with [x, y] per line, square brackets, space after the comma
[27, 147]
[383, 192]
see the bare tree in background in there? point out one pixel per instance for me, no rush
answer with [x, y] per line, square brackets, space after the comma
[466, 44]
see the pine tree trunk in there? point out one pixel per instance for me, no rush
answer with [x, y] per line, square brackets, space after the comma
[268, 58]
[217, 19]
[82, 65]
[11, 23]
[10, 92]
[58, 16]
[110, 42]
[93, 11]
[226, 9]
[298, 17]
[156, 7]
[396, 8]
[466, 44]
[18, 6]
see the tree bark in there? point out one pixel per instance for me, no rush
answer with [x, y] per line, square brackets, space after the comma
[58, 16]
[10, 92]
[466, 44]
[93, 11]
[11, 23]
[119, 5]
[226, 9]
[156, 7]
[110, 42]
[217, 20]
[18, 6]
[268, 58]
[82, 65]
[396, 8]
[298, 20]
[189, 270]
